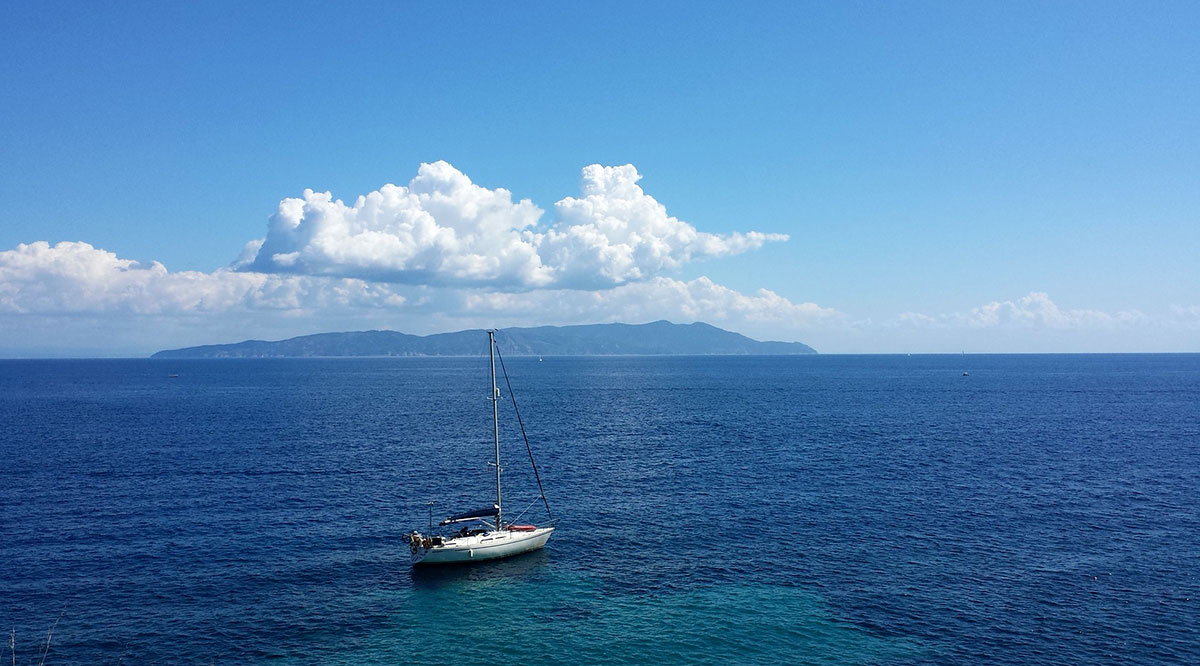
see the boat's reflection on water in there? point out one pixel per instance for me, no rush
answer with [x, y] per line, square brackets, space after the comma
[512, 569]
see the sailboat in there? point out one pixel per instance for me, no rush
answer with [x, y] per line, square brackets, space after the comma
[490, 538]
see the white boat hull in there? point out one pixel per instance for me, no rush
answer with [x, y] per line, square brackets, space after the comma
[488, 546]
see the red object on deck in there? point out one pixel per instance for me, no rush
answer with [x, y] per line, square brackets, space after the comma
[522, 528]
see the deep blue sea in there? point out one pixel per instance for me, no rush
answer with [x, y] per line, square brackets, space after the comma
[1044, 509]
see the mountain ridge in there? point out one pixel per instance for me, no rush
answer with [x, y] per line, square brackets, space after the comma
[652, 339]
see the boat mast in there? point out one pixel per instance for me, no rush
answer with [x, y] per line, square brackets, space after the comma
[495, 420]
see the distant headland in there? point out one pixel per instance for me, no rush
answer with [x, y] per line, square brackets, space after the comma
[656, 338]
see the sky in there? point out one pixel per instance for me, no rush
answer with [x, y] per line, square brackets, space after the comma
[907, 177]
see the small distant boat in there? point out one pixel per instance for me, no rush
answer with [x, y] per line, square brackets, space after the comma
[172, 376]
[494, 538]
[966, 374]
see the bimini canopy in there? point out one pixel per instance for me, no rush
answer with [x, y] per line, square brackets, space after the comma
[471, 515]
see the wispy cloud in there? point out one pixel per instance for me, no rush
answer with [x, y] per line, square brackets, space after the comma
[1187, 316]
[74, 277]
[1034, 310]
[660, 298]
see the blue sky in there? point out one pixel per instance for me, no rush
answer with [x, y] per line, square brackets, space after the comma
[949, 176]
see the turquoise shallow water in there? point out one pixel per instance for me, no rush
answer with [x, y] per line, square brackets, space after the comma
[529, 613]
[821, 510]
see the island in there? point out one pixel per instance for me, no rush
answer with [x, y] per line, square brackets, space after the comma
[655, 338]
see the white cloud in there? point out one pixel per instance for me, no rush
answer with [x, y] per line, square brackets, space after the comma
[442, 229]
[1034, 310]
[74, 277]
[1186, 316]
[617, 233]
[660, 298]
[917, 319]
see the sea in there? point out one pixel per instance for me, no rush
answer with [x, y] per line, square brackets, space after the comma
[925, 509]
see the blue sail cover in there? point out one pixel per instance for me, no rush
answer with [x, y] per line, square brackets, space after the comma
[471, 515]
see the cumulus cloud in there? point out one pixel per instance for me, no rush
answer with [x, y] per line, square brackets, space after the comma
[442, 229]
[1033, 310]
[75, 277]
[616, 233]
[438, 253]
